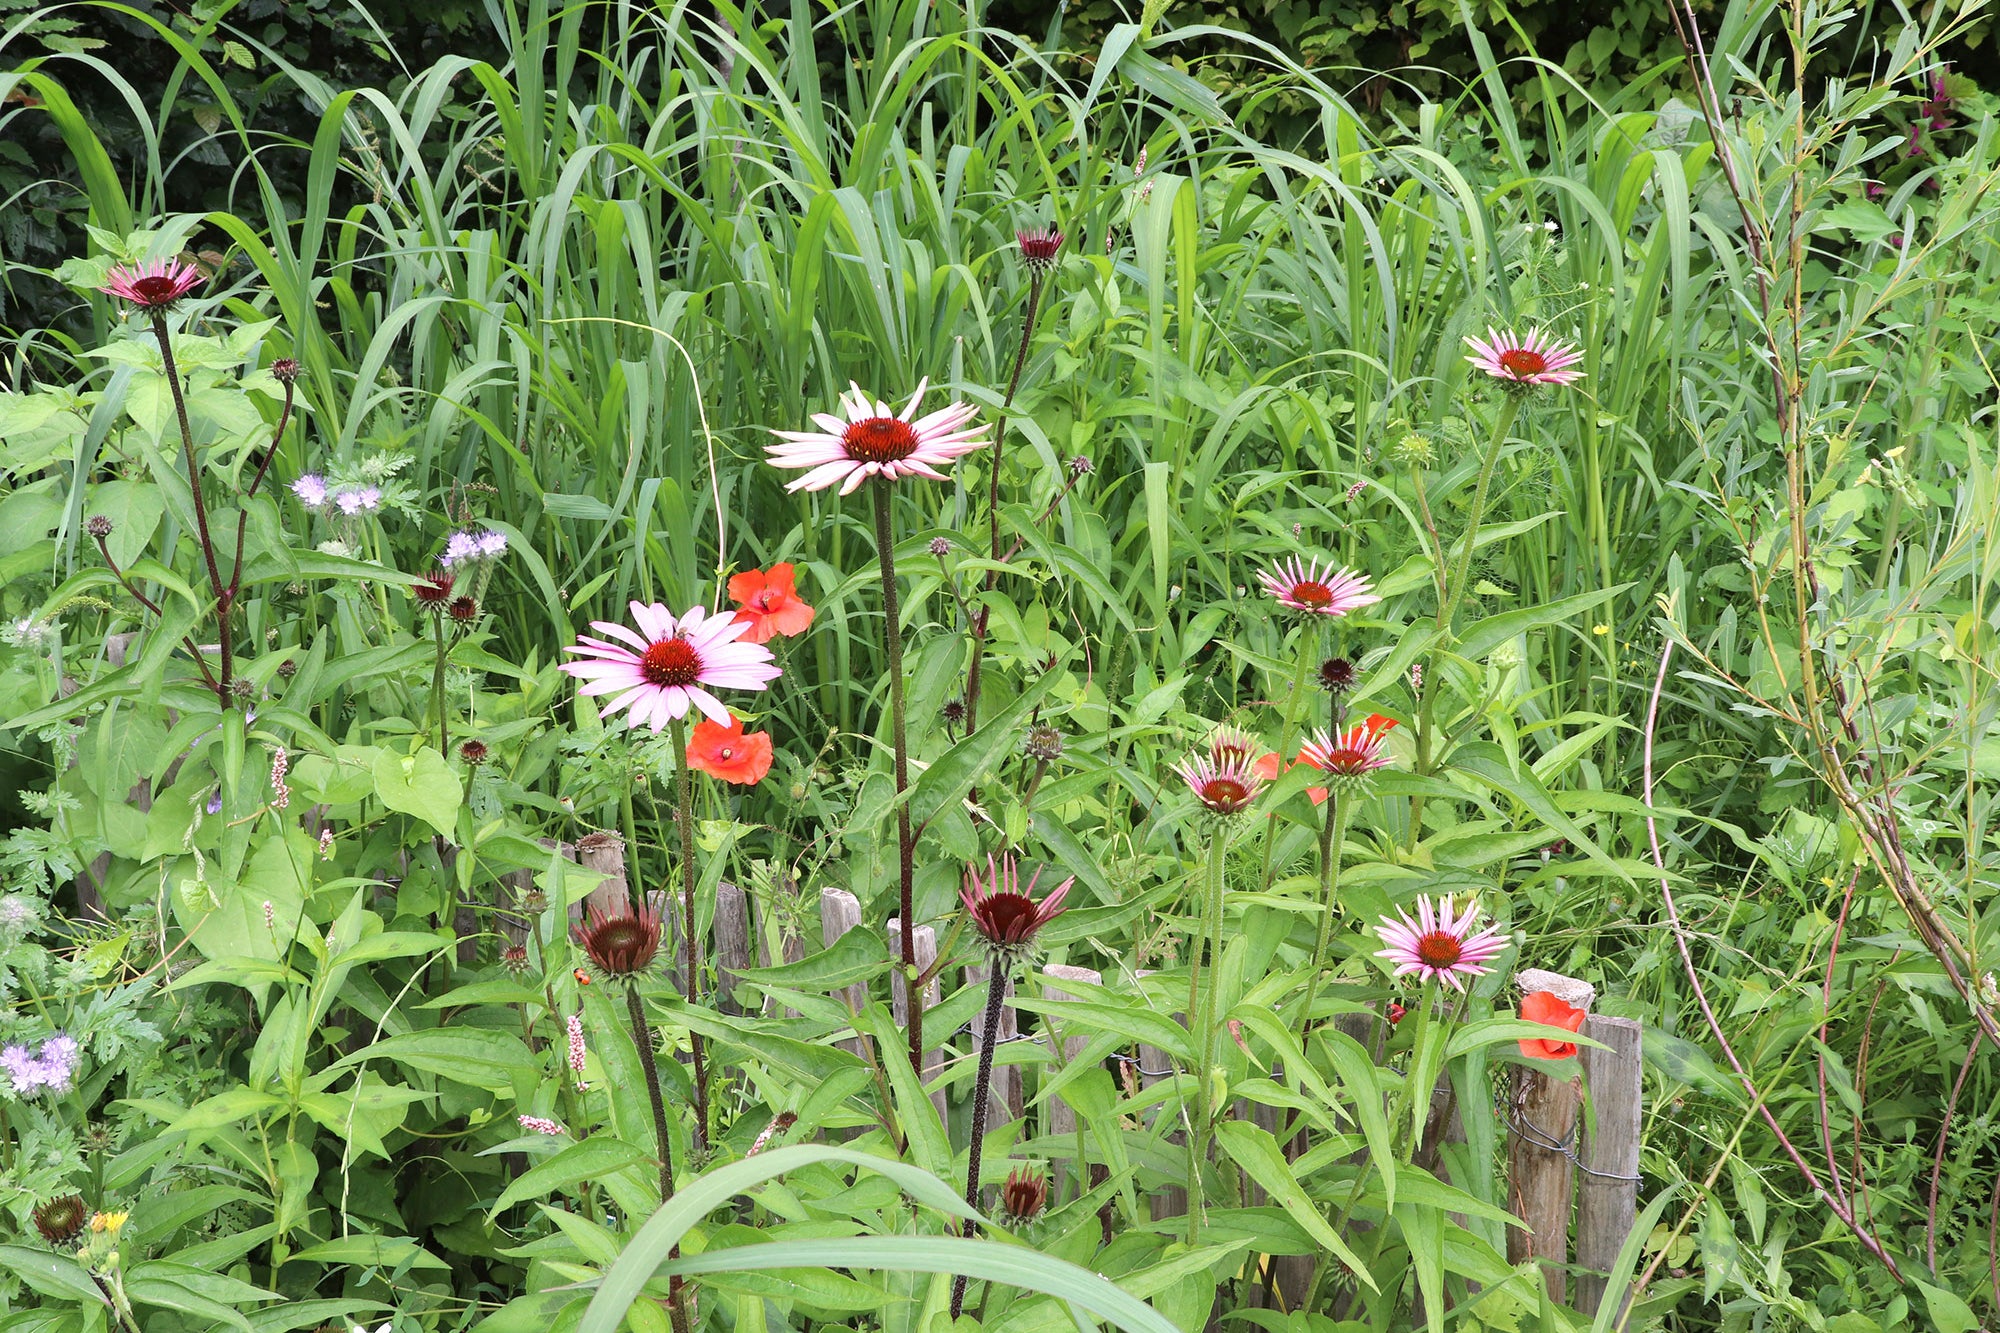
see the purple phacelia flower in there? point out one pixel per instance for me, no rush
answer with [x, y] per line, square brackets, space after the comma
[311, 490]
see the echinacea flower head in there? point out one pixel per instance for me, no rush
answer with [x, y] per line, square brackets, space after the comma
[1040, 248]
[876, 441]
[1439, 943]
[770, 603]
[621, 945]
[311, 490]
[1523, 363]
[728, 754]
[1224, 786]
[1337, 675]
[1544, 1007]
[1350, 754]
[474, 752]
[433, 590]
[61, 1219]
[1230, 746]
[1302, 586]
[669, 664]
[1024, 1195]
[1004, 915]
[154, 285]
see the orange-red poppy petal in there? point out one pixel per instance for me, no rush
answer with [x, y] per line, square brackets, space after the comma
[1542, 1007]
[728, 754]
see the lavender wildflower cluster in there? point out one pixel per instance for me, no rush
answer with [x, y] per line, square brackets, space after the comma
[53, 1066]
[315, 495]
[468, 546]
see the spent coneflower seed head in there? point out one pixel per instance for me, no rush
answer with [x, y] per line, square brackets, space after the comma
[61, 1219]
[1004, 915]
[953, 712]
[1024, 1195]
[1040, 248]
[1042, 743]
[619, 946]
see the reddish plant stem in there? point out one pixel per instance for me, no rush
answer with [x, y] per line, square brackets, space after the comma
[256, 482]
[642, 1035]
[1937, 1157]
[1826, 1004]
[1846, 1215]
[996, 997]
[194, 649]
[684, 807]
[224, 594]
[972, 672]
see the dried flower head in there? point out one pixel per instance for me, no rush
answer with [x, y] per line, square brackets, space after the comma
[1040, 248]
[1024, 1195]
[1337, 675]
[61, 1219]
[287, 669]
[619, 946]
[1080, 466]
[1042, 743]
[1004, 915]
[953, 712]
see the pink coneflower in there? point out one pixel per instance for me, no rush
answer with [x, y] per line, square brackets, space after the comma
[1438, 944]
[1523, 362]
[1230, 746]
[1040, 248]
[874, 441]
[1351, 754]
[1004, 915]
[1302, 587]
[152, 286]
[1225, 786]
[660, 675]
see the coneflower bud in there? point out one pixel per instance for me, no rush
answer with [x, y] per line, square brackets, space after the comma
[1081, 466]
[621, 945]
[1004, 915]
[1040, 248]
[433, 590]
[515, 959]
[1337, 675]
[940, 547]
[953, 712]
[473, 752]
[284, 370]
[1024, 1195]
[61, 1219]
[97, 525]
[287, 669]
[463, 609]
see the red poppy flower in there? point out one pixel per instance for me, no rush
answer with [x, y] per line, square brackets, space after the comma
[726, 753]
[1541, 1007]
[1267, 769]
[770, 603]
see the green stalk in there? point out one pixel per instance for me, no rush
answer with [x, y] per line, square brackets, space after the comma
[1201, 1007]
[437, 684]
[1333, 838]
[1288, 735]
[691, 983]
[906, 846]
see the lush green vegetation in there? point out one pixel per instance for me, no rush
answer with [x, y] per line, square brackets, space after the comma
[1691, 664]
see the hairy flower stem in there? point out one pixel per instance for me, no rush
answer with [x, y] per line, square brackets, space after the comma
[225, 596]
[993, 498]
[982, 1086]
[642, 1037]
[1454, 593]
[1288, 735]
[437, 685]
[691, 986]
[1332, 838]
[1201, 1008]
[256, 483]
[906, 843]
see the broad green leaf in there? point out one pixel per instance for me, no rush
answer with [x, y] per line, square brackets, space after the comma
[1256, 1150]
[421, 784]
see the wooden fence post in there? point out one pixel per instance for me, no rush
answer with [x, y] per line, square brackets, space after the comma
[1608, 1200]
[732, 944]
[924, 938]
[840, 912]
[1541, 1178]
[1061, 1116]
[1154, 1065]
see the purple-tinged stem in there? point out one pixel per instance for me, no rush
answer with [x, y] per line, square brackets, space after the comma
[642, 1037]
[691, 986]
[982, 1091]
[225, 596]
